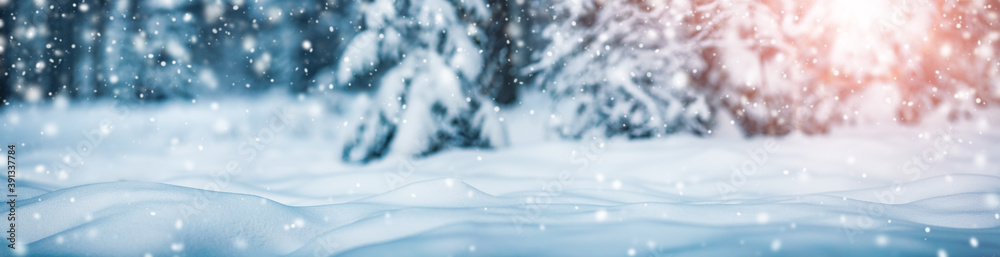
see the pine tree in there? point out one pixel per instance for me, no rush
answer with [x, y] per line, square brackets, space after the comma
[622, 68]
[164, 46]
[780, 65]
[119, 63]
[25, 54]
[421, 59]
[959, 70]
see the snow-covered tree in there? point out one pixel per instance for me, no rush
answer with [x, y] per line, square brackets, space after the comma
[164, 45]
[958, 70]
[26, 56]
[750, 72]
[784, 65]
[622, 68]
[421, 59]
[119, 64]
[80, 50]
[278, 39]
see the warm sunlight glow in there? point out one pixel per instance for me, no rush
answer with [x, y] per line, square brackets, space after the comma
[859, 13]
[863, 33]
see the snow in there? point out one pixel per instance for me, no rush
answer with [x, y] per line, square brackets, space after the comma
[473, 127]
[175, 185]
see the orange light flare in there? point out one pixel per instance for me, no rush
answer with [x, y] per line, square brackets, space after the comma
[865, 37]
[866, 42]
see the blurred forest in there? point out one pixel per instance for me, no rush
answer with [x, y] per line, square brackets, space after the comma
[633, 68]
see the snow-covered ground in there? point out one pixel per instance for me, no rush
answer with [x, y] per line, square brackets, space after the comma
[260, 176]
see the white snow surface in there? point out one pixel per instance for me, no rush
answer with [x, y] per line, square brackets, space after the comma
[157, 184]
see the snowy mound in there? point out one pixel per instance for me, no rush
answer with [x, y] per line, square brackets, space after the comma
[447, 217]
[153, 187]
